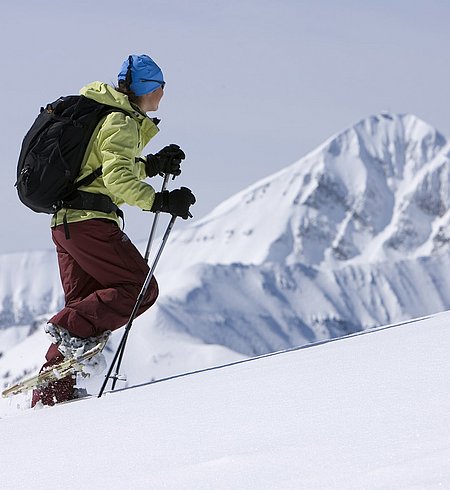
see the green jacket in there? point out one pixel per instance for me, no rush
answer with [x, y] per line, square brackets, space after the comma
[114, 146]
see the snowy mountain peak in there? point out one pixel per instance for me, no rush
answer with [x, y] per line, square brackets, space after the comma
[398, 144]
[378, 190]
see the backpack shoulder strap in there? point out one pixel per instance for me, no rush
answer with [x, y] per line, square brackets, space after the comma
[103, 110]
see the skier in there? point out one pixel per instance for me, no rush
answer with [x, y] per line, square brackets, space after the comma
[101, 270]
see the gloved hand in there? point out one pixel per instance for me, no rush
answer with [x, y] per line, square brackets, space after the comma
[166, 161]
[175, 202]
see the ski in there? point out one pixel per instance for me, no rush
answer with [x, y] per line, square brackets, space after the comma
[68, 366]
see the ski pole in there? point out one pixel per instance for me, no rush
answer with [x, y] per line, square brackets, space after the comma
[121, 349]
[146, 256]
[155, 221]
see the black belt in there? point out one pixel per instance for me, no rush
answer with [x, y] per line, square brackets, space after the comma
[90, 202]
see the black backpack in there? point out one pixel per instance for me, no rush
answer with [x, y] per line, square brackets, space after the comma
[52, 153]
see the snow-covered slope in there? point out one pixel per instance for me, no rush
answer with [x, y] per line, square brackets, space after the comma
[368, 411]
[254, 309]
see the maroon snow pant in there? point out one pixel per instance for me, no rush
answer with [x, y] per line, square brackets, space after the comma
[102, 274]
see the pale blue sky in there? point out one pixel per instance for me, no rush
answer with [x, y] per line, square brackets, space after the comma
[252, 85]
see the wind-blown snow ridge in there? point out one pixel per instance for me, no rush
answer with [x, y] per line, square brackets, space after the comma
[277, 353]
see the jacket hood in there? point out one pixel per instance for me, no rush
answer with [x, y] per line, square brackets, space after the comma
[105, 94]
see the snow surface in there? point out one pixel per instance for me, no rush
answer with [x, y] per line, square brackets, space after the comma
[371, 411]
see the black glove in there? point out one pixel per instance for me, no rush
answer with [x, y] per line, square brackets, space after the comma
[166, 161]
[175, 202]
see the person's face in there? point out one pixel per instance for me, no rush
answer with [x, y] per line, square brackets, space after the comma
[150, 102]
